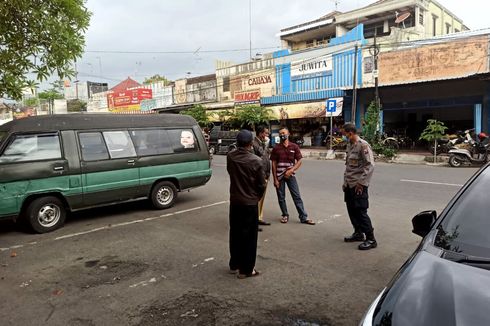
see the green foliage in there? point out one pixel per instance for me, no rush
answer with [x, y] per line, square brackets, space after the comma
[371, 124]
[156, 78]
[386, 151]
[31, 102]
[76, 106]
[198, 112]
[251, 116]
[54, 93]
[435, 130]
[40, 38]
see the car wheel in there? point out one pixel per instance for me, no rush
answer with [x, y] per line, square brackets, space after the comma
[46, 214]
[455, 162]
[163, 195]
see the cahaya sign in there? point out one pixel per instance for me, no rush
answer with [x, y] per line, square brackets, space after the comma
[247, 97]
[311, 67]
[259, 80]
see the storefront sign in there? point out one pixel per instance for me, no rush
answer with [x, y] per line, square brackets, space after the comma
[128, 97]
[259, 80]
[305, 110]
[247, 97]
[311, 68]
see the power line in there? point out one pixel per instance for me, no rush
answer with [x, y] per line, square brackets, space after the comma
[178, 52]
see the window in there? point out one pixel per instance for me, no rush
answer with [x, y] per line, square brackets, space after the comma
[93, 146]
[182, 140]
[434, 25]
[151, 142]
[3, 134]
[226, 84]
[32, 148]
[119, 144]
[448, 28]
[421, 19]
[465, 228]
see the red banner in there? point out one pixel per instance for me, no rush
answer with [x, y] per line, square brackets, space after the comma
[129, 97]
[247, 97]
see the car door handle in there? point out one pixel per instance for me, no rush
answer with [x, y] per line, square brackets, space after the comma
[58, 168]
[131, 162]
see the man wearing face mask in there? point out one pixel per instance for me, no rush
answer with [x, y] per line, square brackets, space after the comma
[261, 149]
[359, 167]
[286, 160]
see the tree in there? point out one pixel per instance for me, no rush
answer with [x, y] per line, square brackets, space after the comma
[30, 102]
[156, 78]
[39, 38]
[371, 124]
[76, 106]
[434, 131]
[198, 112]
[249, 116]
[51, 94]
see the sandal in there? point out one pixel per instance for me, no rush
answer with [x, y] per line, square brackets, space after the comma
[253, 274]
[285, 219]
[309, 222]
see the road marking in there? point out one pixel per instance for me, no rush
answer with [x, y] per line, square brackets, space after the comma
[111, 226]
[433, 183]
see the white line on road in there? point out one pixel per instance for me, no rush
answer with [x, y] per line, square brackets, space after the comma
[111, 226]
[433, 183]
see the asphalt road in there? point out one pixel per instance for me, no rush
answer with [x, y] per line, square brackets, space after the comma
[131, 265]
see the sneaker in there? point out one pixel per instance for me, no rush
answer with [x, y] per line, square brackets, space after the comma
[368, 244]
[355, 237]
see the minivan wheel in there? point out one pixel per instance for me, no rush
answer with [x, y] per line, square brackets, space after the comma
[454, 161]
[163, 195]
[46, 214]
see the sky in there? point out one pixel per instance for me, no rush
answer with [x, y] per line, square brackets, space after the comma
[197, 26]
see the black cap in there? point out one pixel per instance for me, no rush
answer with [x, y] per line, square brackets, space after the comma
[244, 138]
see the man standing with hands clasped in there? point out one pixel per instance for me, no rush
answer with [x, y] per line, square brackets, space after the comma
[359, 167]
[247, 184]
[286, 160]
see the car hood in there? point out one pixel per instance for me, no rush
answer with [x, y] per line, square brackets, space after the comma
[435, 291]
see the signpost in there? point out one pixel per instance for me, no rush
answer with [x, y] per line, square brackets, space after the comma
[331, 106]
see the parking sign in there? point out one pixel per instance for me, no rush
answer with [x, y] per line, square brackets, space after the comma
[331, 106]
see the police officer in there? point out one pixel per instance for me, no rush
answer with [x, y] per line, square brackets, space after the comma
[359, 169]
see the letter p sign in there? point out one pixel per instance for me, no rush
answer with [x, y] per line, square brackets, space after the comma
[331, 106]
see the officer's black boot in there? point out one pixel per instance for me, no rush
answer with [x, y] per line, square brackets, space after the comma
[370, 242]
[355, 237]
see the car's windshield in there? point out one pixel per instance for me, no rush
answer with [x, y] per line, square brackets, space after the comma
[466, 228]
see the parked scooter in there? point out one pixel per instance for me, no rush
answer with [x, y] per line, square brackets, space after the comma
[444, 145]
[478, 154]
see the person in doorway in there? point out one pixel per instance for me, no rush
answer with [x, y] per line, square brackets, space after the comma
[261, 149]
[247, 185]
[286, 160]
[359, 169]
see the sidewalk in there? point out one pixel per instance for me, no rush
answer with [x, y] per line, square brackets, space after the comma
[403, 157]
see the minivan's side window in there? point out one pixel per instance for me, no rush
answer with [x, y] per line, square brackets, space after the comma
[119, 144]
[93, 146]
[183, 140]
[151, 142]
[32, 147]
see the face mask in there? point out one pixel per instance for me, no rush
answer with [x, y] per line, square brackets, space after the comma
[267, 140]
[345, 138]
[284, 137]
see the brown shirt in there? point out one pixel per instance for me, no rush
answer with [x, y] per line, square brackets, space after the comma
[359, 164]
[247, 178]
[285, 157]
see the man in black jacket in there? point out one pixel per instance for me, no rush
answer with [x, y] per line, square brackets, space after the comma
[247, 184]
[261, 149]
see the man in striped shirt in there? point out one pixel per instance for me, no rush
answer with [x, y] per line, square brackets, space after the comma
[286, 160]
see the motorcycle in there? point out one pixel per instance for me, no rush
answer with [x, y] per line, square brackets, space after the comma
[444, 145]
[478, 154]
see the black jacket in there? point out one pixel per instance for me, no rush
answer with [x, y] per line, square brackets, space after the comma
[247, 178]
[261, 149]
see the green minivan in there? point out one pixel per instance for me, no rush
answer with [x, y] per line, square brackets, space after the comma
[51, 165]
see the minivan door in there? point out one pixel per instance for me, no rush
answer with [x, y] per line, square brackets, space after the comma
[109, 167]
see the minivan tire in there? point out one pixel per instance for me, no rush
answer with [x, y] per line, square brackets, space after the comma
[163, 195]
[45, 214]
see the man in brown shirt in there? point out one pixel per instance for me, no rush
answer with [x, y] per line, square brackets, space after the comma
[359, 167]
[247, 185]
[286, 160]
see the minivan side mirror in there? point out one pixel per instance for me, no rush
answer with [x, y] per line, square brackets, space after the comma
[422, 222]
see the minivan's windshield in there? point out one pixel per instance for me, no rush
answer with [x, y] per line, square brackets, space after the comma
[466, 228]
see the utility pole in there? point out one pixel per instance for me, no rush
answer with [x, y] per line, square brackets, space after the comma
[354, 86]
[376, 82]
[250, 26]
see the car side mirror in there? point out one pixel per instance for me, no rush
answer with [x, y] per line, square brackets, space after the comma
[422, 222]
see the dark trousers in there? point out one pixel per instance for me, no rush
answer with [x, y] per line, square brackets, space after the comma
[244, 225]
[357, 206]
[294, 190]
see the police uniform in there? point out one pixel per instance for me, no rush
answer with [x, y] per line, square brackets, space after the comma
[359, 167]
